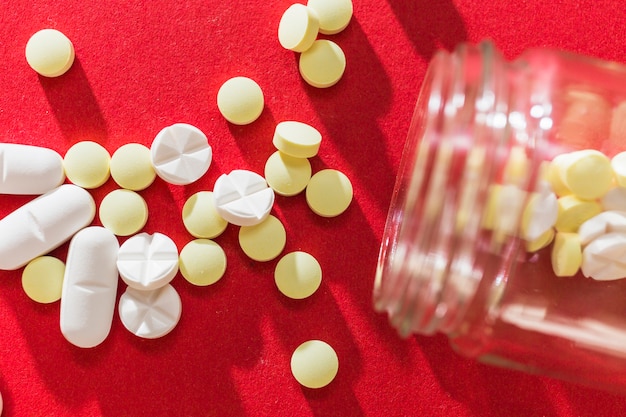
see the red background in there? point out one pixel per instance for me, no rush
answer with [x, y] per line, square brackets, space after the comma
[144, 65]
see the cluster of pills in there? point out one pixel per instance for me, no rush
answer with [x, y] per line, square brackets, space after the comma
[322, 62]
[180, 154]
[579, 207]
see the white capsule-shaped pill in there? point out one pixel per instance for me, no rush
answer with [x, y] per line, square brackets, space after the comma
[29, 170]
[89, 287]
[243, 197]
[43, 224]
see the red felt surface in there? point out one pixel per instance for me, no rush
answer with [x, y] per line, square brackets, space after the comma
[144, 65]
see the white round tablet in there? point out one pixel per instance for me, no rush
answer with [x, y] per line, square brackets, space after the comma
[298, 28]
[243, 197]
[323, 64]
[240, 100]
[181, 154]
[147, 262]
[50, 53]
[150, 314]
[314, 364]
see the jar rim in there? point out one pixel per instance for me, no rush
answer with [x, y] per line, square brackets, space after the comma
[421, 288]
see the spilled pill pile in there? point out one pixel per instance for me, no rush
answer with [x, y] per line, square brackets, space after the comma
[101, 258]
[322, 61]
[578, 208]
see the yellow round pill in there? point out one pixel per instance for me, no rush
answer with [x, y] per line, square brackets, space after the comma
[587, 173]
[131, 167]
[263, 241]
[42, 279]
[297, 139]
[323, 64]
[87, 164]
[298, 275]
[298, 28]
[334, 15]
[123, 212]
[50, 53]
[566, 254]
[287, 175]
[202, 262]
[541, 242]
[314, 364]
[329, 193]
[240, 100]
[201, 218]
[572, 212]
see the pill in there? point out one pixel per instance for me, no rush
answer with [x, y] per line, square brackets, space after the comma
[240, 100]
[334, 15]
[243, 197]
[540, 214]
[614, 199]
[202, 262]
[50, 53]
[314, 364]
[298, 275]
[42, 279]
[181, 154]
[124, 212]
[200, 216]
[587, 173]
[323, 64]
[87, 164]
[89, 287]
[604, 258]
[29, 170]
[264, 241]
[566, 254]
[541, 242]
[573, 212]
[603, 223]
[44, 223]
[553, 176]
[298, 28]
[147, 262]
[131, 167]
[297, 139]
[287, 175]
[329, 193]
[618, 163]
[150, 314]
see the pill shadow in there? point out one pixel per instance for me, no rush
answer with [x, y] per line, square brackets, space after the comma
[430, 25]
[350, 111]
[75, 106]
[348, 265]
[488, 391]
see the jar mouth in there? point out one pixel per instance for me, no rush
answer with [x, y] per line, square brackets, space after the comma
[428, 271]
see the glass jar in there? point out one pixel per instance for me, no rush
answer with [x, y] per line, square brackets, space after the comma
[488, 139]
